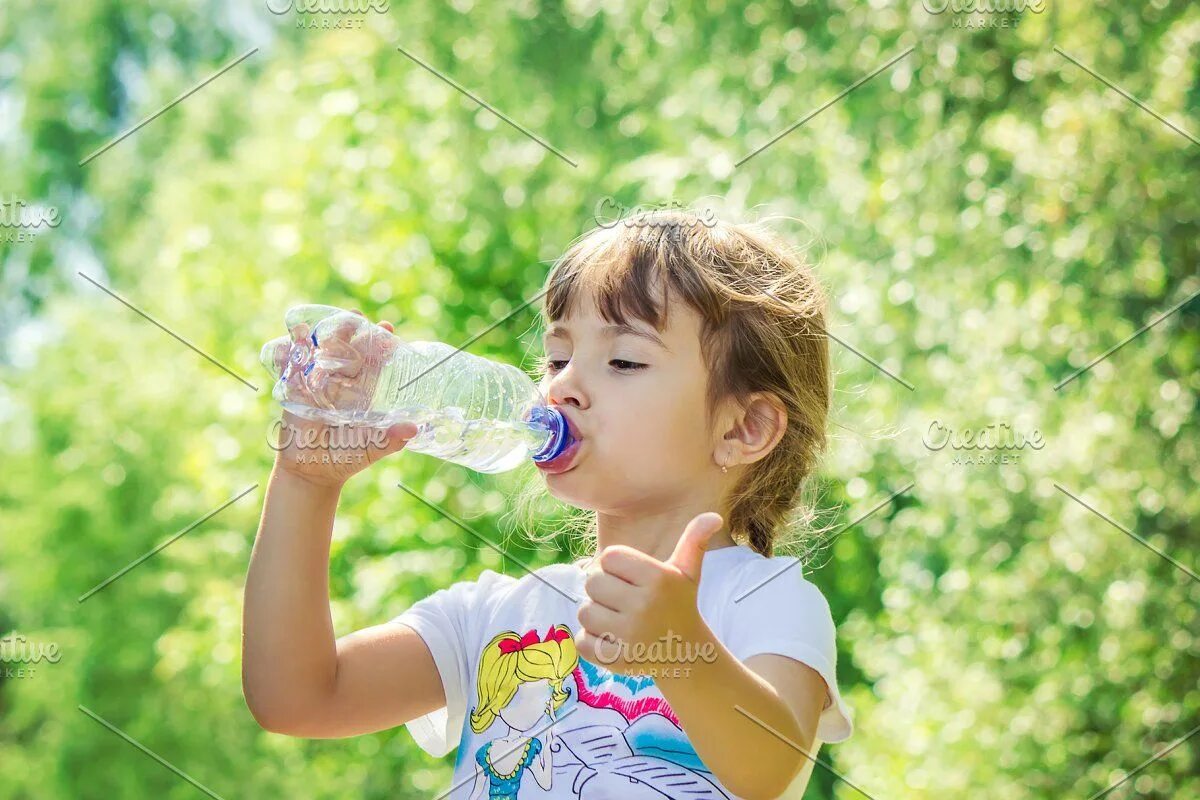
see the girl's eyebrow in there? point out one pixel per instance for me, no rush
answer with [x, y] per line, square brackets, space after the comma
[613, 329]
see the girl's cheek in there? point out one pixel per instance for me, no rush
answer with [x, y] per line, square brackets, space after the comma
[646, 424]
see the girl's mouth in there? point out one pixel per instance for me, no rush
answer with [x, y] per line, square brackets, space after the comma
[562, 462]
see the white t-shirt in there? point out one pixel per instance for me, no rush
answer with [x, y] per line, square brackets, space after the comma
[616, 737]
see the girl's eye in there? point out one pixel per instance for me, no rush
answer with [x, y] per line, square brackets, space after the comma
[621, 365]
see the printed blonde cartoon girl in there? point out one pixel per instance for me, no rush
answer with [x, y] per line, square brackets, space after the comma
[521, 682]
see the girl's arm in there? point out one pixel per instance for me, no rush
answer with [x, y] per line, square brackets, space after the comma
[296, 678]
[749, 722]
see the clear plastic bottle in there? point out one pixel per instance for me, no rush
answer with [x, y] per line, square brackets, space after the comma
[339, 368]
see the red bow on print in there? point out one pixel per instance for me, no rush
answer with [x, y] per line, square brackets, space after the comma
[531, 637]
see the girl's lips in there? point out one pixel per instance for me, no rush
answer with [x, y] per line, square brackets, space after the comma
[563, 461]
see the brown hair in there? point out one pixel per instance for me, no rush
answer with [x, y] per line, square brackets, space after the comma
[763, 329]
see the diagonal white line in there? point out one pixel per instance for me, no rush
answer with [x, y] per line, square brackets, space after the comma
[172, 104]
[826, 105]
[1128, 532]
[472, 340]
[861, 355]
[118, 297]
[490, 108]
[150, 752]
[512, 749]
[1148, 762]
[1128, 96]
[873, 363]
[786, 740]
[134, 563]
[487, 542]
[844, 528]
[1126, 340]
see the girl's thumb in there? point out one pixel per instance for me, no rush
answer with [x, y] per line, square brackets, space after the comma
[689, 550]
[398, 435]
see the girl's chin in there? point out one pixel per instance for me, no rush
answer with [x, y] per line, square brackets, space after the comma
[565, 490]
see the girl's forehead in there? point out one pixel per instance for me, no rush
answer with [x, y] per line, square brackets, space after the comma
[678, 322]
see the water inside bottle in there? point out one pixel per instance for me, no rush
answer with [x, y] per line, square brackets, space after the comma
[480, 444]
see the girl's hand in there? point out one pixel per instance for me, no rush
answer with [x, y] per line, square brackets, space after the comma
[328, 455]
[342, 370]
[635, 599]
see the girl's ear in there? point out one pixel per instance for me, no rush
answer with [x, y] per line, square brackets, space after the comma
[757, 427]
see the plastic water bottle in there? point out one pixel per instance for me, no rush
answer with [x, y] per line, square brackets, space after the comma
[338, 368]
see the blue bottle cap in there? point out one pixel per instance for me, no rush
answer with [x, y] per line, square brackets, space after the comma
[549, 418]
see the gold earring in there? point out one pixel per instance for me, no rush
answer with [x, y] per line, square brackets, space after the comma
[724, 469]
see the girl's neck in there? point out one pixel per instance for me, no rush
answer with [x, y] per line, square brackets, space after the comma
[655, 534]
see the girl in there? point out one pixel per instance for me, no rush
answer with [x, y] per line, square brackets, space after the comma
[691, 360]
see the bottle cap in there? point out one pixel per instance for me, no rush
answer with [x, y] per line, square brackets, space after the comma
[549, 418]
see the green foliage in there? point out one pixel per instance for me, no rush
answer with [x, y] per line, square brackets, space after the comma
[992, 219]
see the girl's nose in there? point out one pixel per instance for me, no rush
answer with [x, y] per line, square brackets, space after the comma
[564, 388]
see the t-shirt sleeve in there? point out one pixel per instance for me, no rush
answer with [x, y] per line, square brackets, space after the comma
[776, 610]
[448, 621]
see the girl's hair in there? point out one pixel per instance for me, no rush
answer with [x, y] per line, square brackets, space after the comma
[763, 329]
[507, 663]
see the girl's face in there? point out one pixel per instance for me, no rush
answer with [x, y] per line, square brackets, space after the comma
[635, 397]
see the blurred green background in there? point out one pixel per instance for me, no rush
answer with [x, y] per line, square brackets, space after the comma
[991, 216]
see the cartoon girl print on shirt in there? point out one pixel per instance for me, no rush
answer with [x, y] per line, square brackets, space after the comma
[520, 682]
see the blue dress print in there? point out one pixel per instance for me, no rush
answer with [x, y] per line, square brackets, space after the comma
[504, 787]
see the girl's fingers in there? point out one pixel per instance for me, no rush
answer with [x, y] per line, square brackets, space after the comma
[402, 431]
[345, 330]
[610, 591]
[397, 437]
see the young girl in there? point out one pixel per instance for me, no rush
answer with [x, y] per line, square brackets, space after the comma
[683, 659]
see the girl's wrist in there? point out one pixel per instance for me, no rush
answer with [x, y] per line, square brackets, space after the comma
[297, 479]
[688, 637]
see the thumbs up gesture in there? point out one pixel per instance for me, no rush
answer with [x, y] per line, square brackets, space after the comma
[635, 601]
